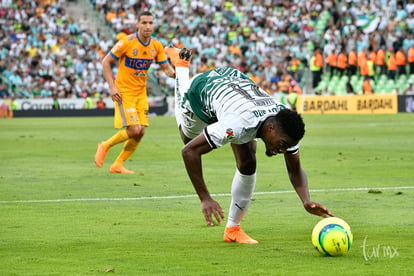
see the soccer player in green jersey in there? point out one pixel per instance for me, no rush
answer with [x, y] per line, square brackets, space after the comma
[223, 106]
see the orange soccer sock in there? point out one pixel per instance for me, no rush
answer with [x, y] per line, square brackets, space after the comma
[130, 147]
[119, 137]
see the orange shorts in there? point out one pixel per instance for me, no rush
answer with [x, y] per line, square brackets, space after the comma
[131, 111]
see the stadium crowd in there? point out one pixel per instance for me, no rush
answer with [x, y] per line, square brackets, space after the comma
[45, 53]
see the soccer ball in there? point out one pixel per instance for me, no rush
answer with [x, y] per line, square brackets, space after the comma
[332, 237]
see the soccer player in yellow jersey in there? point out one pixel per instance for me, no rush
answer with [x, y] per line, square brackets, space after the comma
[134, 53]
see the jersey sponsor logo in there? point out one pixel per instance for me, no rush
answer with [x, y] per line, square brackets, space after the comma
[229, 133]
[139, 73]
[273, 110]
[138, 63]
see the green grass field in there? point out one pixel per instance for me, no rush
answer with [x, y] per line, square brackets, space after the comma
[61, 215]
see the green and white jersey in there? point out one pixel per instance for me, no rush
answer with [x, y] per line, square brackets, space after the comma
[231, 104]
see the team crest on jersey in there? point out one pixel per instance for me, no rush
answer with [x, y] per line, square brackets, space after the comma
[229, 133]
[135, 52]
[152, 53]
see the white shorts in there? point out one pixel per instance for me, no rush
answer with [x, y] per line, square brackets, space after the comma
[191, 124]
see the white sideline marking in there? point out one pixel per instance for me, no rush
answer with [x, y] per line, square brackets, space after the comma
[194, 196]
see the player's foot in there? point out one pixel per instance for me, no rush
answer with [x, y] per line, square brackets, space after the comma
[120, 169]
[179, 57]
[236, 234]
[100, 155]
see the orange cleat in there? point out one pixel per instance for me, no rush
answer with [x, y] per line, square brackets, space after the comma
[120, 169]
[179, 57]
[236, 234]
[100, 155]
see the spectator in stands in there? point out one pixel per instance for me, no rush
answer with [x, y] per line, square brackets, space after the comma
[4, 91]
[401, 61]
[392, 65]
[316, 66]
[56, 105]
[84, 23]
[294, 68]
[5, 109]
[294, 88]
[331, 61]
[89, 104]
[341, 66]
[294, 91]
[13, 105]
[362, 64]
[284, 84]
[100, 103]
[352, 63]
[46, 91]
[370, 66]
[101, 6]
[366, 86]
[411, 59]
[203, 66]
[380, 65]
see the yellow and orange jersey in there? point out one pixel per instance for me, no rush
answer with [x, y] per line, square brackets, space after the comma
[134, 59]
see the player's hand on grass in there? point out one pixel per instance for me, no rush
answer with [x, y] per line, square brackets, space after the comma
[212, 212]
[317, 209]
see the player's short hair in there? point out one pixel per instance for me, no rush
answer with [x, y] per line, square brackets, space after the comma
[144, 13]
[291, 123]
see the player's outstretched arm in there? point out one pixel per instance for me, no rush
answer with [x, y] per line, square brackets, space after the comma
[299, 180]
[168, 69]
[192, 153]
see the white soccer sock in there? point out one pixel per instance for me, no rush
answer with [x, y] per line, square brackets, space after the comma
[182, 83]
[241, 195]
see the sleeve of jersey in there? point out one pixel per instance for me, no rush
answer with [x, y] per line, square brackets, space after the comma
[209, 139]
[219, 134]
[293, 150]
[118, 50]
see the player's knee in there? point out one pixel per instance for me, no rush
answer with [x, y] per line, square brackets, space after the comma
[247, 166]
[136, 132]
